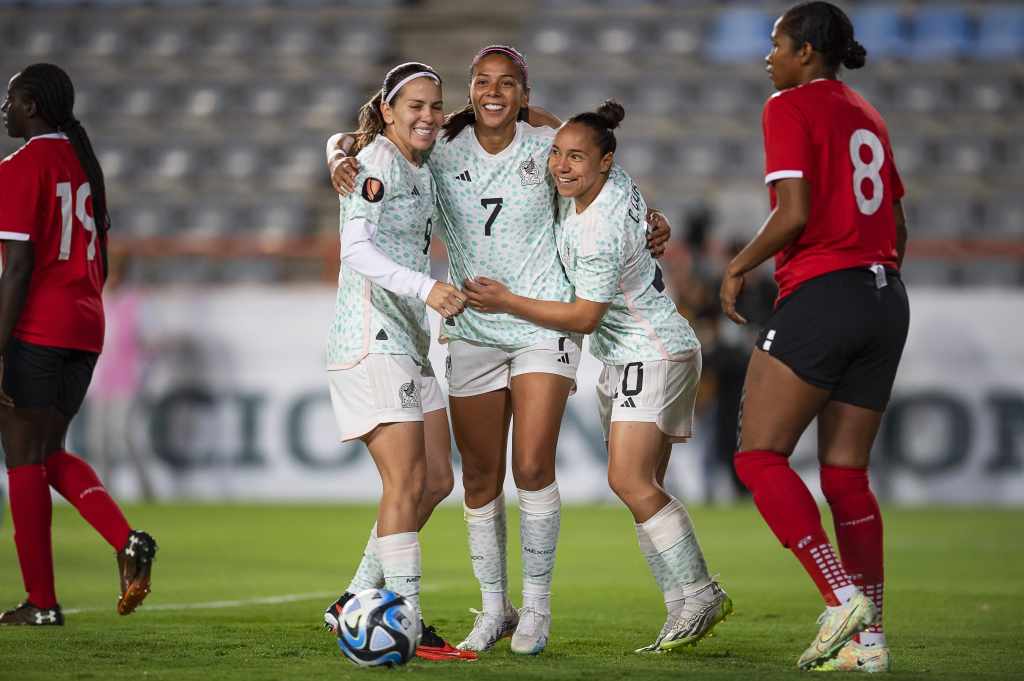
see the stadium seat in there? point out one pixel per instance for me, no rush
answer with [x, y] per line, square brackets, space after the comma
[926, 272]
[964, 155]
[1004, 216]
[638, 157]
[680, 38]
[1000, 33]
[882, 30]
[620, 38]
[988, 94]
[921, 94]
[942, 215]
[991, 272]
[940, 31]
[739, 34]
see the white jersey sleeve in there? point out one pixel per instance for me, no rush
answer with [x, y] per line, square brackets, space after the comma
[393, 205]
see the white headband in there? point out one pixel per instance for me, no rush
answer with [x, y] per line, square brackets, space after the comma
[420, 74]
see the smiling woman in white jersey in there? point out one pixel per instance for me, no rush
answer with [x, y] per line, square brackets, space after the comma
[498, 208]
[651, 357]
[382, 386]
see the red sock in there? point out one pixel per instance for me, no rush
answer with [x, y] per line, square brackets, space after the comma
[31, 511]
[858, 523]
[77, 482]
[787, 506]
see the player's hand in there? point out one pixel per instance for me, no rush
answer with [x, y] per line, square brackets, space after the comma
[446, 299]
[732, 286]
[486, 295]
[5, 399]
[344, 168]
[660, 232]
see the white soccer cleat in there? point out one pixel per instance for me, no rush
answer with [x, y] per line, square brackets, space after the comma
[838, 625]
[656, 646]
[531, 635]
[489, 628]
[854, 657]
[699, 614]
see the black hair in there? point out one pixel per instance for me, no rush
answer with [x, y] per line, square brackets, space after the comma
[465, 117]
[828, 30]
[602, 122]
[54, 95]
[371, 120]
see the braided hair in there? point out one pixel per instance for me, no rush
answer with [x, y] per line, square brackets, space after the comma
[54, 96]
[828, 30]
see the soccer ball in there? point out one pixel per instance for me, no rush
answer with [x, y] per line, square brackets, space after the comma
[378, 628]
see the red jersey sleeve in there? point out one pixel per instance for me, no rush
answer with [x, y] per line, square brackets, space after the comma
[19, 199]
[787, 142]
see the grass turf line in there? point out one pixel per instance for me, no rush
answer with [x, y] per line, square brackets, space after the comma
[954, 597]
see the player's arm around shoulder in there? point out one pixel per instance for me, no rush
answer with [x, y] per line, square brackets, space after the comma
[340, 164]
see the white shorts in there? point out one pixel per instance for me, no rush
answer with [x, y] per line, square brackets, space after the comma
[477, 369]
[657, 391]
[382, 389]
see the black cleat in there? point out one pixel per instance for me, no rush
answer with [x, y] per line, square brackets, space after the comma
[27, 614]
[134, 565]
[333, 612]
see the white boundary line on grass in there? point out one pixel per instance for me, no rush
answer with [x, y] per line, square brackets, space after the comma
[217, 605]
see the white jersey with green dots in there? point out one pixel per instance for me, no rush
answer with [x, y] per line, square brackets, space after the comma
[499, 214]
[368, 318]
[604, 250]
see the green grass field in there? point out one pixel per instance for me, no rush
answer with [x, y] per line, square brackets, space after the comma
[955, 598]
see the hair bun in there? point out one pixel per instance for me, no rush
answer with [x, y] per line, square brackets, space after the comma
[612, 113]
[855, 56]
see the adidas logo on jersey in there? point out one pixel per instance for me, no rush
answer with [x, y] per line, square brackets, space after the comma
[464, 176]
[382, 335]
[628, 403]
[415, 190]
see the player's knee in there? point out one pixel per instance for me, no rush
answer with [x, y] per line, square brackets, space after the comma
[439, 486]
[750, 466]
[533, 474]
[629, 488]
[837, 482]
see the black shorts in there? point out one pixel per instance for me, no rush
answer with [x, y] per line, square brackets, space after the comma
[38, 376]
[844, 333]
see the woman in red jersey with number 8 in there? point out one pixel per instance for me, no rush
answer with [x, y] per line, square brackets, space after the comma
[53, 231]
[831, 348]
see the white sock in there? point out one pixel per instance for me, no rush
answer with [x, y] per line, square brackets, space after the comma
[671, 533]
[369, 574]
[487, 535]
[845, 593]
[868, 638]
[659, 568]
[400, 556]
[540, 517]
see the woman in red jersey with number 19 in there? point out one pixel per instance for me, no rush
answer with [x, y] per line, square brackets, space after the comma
[53, 231]
[831, 348]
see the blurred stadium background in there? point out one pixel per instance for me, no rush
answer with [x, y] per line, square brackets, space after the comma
[210, 120]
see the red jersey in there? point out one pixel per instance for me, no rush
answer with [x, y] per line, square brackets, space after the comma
[45, 198]
[829, 135]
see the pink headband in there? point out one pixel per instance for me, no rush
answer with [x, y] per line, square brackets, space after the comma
[512, 54]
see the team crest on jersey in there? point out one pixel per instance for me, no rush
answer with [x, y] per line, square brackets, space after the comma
[407, 393]
[530, 172]
[373, 190]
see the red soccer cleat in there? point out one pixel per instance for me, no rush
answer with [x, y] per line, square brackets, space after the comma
[433, 647]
